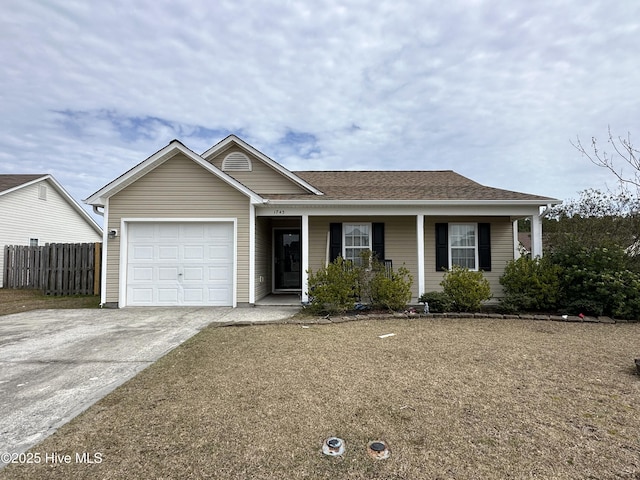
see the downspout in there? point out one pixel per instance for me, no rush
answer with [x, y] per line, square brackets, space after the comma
[97, 211]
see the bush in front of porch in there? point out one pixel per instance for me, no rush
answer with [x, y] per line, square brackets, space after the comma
[340, 285]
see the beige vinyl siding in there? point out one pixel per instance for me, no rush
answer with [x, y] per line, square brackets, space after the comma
[24, 216]
[501, 249]
[264, 260]
[179, 188]
[400, 242]
[262, 179]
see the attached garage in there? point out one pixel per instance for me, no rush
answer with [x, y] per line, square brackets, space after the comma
[180, 263]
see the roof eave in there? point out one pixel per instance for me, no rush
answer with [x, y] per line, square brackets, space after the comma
[319, 202]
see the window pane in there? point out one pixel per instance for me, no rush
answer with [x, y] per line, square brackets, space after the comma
[356, 240]
[353, 254]
[463, 236]
[464, 257]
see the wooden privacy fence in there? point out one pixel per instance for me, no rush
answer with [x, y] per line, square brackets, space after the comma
[56, 268]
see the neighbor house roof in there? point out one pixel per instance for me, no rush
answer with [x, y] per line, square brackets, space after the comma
[11, 181]
[402, 185]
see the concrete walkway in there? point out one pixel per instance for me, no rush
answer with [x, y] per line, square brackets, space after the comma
[54, 364]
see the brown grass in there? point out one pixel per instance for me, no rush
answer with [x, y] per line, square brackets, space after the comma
[19, 300]
[463, 399]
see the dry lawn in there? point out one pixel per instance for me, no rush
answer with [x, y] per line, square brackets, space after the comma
[19, 300]
[454, 399]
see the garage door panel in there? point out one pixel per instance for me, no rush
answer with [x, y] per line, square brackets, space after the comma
[194, 232]
[218, 273]
[217, 296]
[142, 296]
[168, 231]
[180, 264]
[193, 274]
[143, 232]
[141, 252]
[219, 252]
[169, 252]
[168, 296]
[194, 252]
[168, 274]
[194, 296]
[142, 274]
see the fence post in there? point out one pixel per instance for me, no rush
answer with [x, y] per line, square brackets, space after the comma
[97, 265]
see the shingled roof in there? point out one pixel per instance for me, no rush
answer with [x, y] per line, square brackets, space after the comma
[401, 185]
[9, 181]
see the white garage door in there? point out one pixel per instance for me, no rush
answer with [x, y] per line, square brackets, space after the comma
[180, 264]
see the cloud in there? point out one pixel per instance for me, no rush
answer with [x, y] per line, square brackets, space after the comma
[494, 90]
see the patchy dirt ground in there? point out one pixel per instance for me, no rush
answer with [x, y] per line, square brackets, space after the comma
[18, 300]
[453, 398]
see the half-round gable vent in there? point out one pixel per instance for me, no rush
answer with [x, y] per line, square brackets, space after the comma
[236, 162]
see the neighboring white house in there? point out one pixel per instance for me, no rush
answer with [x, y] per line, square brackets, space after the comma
[36, 210]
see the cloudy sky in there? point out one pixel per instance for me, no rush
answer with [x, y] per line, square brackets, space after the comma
[495, 90]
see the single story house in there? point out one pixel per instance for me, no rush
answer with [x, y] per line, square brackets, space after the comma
[35, 209]
[231, 226]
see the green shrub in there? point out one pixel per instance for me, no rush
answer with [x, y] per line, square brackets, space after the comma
[338, 286]
[466, 289]
[530, 284]
[515, 303]
[439, 302]
[596, 281]
[334, 288]
[390, 290]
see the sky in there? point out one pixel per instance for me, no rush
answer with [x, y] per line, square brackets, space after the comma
[495, 90]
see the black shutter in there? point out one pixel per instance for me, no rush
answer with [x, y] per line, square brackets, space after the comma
[484, 246]
[442, 246]
[335, 241]
[378, 241]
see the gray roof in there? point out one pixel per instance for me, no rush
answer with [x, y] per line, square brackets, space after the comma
[9, 181]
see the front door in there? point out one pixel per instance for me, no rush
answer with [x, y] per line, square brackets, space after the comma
[286, 259]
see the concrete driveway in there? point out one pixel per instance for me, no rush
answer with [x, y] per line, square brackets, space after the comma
[54, 364]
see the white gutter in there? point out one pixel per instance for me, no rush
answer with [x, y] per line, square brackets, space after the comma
[413, 203]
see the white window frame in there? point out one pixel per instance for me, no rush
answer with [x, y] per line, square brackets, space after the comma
[33, 242]
[344, 238]
[474, 247]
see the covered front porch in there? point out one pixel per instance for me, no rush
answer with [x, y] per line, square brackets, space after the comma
[286, 246]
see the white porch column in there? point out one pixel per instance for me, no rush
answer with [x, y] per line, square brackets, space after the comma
[536, 236]
[252, 254]
[304, 225]
[516, 241]
[420, 242]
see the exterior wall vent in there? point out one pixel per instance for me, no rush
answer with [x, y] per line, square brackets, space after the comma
[236, 162]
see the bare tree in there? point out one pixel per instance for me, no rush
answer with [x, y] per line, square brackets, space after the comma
[624, 156]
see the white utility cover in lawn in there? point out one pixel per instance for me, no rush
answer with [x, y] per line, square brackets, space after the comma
[173, 263]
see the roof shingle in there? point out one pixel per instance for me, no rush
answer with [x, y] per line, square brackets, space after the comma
[9, 181]
[401, 185]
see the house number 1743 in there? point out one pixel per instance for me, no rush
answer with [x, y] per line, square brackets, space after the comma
[278, 212]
